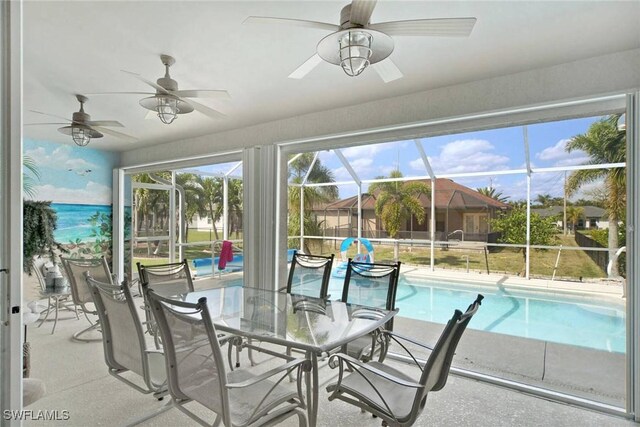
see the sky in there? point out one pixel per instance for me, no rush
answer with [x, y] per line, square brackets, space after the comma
[481, 151]
[71, 174]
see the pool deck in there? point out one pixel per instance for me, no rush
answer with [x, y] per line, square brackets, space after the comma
[602, 288]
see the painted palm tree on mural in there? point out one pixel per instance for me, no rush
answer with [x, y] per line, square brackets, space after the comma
[396, 201]
[313, 196]
[604, 143]
[30, 176]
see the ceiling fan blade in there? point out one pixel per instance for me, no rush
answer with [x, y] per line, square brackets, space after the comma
[111, 123]
[361, 11]
[120, 135]
[122, 93]
[292, 22]
[306, 67]
[215, 94]
[206, 110]
[149, 82]
[52, 115]
[448, 27]
[387, 70]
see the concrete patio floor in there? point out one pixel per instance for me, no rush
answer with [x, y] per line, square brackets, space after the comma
[76, 379]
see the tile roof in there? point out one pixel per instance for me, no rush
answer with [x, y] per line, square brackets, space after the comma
[448, 194]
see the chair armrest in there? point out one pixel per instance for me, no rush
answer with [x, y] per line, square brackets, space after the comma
[352, 362]
[405, 338]
[303, 363]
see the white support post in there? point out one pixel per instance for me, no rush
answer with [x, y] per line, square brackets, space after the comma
[302, 218]
[633, 260]
[118, 226]
[358, 182]
[172, 219]
[225, 208]
[528, 238]
[11, 330]
[432, 226]
[260, 237]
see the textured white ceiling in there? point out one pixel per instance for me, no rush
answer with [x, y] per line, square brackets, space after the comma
[80, 47]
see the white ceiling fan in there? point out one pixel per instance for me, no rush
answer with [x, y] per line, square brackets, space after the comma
[356, 43]
[82, 129]
[167, 101]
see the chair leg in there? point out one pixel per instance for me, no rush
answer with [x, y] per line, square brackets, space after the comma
[94, 326]
[46, 316]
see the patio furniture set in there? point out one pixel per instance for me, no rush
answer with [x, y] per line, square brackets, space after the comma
[190, 328]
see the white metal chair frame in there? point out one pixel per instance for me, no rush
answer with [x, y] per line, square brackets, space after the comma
[265, 412]
[54, 301]
[391, 394]
[107, 297]
[80, 291]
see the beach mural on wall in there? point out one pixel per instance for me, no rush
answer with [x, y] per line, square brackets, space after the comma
[78, 182]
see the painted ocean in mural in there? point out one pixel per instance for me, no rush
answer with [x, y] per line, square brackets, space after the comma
[74, 221]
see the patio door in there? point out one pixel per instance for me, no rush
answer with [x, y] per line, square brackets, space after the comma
[475, 223]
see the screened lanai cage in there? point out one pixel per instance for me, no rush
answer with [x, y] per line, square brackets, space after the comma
[186, 214]
[541, 200]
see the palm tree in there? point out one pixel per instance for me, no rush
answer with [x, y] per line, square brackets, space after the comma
[491, 192]
[313, 196]
[574, 213]
[604, 143]
[212, 194]
[544, 200]
[396, 201]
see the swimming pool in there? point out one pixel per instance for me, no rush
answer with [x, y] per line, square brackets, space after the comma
[557, 318]
[564, 319]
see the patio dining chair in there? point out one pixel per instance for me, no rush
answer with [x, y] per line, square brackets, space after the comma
[370, 285]
[167, 279]
[196, 371]
[55, 301]
[391, 393]
[309, 275]
[80, 291]
[125, 349]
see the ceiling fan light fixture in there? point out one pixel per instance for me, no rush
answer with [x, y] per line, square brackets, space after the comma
[355, 51]
[81, 136]
[167, 109]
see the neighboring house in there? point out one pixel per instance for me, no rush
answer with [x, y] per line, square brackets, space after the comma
[203, 223]
[461, 214]
[592, 217]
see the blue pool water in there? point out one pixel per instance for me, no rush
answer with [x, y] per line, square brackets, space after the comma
[578, 321]
[562, 319]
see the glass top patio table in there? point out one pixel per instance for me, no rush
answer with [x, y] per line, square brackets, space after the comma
[296, 321]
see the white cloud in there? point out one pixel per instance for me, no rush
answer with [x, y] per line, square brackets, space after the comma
[92, 194]
[558, 153]
[60, 158]
[417, 164]
[368, 151]
[469, 155]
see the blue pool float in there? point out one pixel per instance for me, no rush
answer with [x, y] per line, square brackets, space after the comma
[341, 269]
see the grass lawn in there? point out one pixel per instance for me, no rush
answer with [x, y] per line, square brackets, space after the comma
[573, 264]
